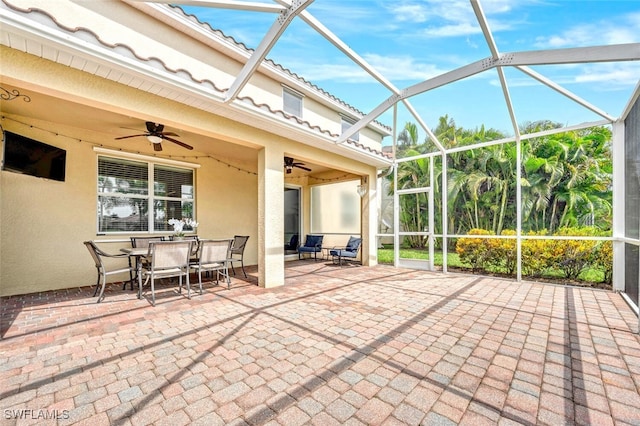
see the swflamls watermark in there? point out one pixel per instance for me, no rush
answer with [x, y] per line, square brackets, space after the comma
[29, 414]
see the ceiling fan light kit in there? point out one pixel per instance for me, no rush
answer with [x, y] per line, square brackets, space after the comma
[154, 139]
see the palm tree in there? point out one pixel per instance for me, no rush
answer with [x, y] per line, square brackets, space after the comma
[446, 131]
[566, 179]
[408, 137]
[414, 174]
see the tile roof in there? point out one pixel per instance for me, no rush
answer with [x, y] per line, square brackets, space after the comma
[158, 63]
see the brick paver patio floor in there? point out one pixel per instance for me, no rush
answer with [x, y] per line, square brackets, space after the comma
[335, 346]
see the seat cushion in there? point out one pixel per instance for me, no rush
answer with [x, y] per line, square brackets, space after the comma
[166, 272]
[343, 253]
[313, 240]
[309, 249]
[353, 244]
[209, 265]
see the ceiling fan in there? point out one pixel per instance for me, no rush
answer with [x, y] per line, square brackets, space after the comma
[290, 163]
[155, 135]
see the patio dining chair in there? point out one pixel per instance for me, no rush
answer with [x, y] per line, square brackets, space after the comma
[166, 259]
[139, 242]
[348, 252]
[312, 244]
[99, 258]
[194, 238]
[213, 255]
[237, 252]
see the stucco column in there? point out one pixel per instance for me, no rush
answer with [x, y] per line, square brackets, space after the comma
[270, 217]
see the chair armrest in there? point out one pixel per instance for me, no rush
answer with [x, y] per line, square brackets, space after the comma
[118, 255]
[105, 254]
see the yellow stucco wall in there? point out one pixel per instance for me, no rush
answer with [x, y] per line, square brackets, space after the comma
[43, 223]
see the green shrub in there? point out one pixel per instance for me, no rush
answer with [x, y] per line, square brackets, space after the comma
[503, 252]
[603, 259]
[572, 259]
[474, 251]
[573, 256]
[536, 255]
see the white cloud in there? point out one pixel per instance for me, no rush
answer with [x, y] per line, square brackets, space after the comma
[455, 30]
[410, 13]
[402, 68]
[613, 30]
[608, 76]
[452, 18]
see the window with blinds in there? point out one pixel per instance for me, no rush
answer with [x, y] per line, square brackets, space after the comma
[292, 102]
[128, 201]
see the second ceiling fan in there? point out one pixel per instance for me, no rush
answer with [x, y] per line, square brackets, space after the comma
[156, 135]
[290, 163]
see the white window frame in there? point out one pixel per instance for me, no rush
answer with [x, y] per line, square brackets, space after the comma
[347, 122]
[288, 96]
[151, 163]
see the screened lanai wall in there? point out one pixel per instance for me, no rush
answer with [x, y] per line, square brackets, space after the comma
[632, 203]
[431, 195]
[422, 178]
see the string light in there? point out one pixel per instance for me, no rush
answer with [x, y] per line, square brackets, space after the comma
[341, 178]
[185, 157]
[196, 157]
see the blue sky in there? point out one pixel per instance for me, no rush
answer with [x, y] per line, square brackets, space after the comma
[412, 41]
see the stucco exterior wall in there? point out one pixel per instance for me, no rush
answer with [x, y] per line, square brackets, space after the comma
[44, 222]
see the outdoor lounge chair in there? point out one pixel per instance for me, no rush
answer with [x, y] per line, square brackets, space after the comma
[348, 252]
[99, 257]
[312, 244]
[293, 243]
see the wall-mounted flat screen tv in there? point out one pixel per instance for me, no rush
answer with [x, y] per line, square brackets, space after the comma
[28, 156]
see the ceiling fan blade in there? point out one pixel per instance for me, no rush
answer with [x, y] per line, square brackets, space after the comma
[182, 144]
[130, 136]
[301, 167]
[157, 147]
[169, 134]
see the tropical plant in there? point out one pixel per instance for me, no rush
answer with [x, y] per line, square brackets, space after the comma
[475, 251]
[566, 180]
